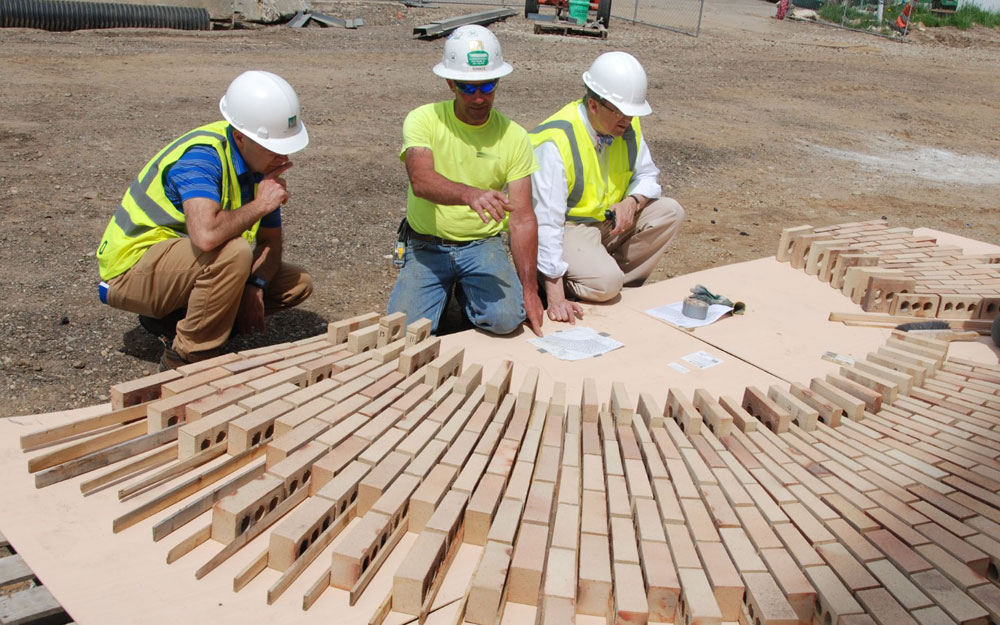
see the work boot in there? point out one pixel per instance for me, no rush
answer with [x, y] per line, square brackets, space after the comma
[164, 329]
[171, 360]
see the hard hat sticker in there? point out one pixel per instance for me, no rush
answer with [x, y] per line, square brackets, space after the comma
[478, 58]
[292, 120]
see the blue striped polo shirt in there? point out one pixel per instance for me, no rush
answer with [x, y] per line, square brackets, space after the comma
[198, 173]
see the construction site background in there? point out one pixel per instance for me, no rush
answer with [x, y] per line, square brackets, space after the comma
[757, 125]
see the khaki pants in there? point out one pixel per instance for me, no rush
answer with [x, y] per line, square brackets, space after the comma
[174, 274]
[599, 264]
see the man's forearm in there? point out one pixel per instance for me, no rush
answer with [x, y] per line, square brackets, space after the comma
[524, 249]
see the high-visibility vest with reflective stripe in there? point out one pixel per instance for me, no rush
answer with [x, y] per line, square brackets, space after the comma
[587, 194]
[146, 217]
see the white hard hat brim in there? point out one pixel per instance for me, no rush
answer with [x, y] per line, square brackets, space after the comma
[473, 75]
[634, 110]
[284, 145]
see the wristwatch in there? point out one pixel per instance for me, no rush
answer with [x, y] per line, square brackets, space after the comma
[258, 282]
[635, 197]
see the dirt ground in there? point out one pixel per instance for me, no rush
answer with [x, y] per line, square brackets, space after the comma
[757, 125]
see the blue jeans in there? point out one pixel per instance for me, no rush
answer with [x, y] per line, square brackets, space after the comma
[486, 284]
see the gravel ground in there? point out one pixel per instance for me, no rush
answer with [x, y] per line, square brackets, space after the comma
[757, 125]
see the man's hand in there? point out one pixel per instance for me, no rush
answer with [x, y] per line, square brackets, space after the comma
[533, 311]
[561, 309]
[272, 190]
[492, 203]
[624, 215]
[250, 318]
[565, 311]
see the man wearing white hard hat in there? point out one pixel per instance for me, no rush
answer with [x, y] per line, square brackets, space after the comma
[470, 174]
[601, 221]
[197, 238]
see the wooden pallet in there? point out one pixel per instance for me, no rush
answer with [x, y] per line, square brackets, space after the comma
[23, 600]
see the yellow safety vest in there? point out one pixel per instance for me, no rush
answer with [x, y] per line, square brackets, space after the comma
[146, 217]
[587, 194]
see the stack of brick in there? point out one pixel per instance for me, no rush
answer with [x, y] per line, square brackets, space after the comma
[894, 271]
[869, 496]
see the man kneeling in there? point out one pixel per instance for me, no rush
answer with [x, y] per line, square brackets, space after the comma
[200, 226]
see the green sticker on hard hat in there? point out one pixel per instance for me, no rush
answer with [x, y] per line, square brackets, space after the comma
[478, 58]
[292, 120]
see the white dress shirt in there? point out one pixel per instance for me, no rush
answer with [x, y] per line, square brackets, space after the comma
[549, 192]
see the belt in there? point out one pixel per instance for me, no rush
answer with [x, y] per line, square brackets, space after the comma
[438, 240]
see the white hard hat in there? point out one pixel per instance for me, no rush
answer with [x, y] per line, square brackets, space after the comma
[619, 78]
[472, 53]
[264, 107]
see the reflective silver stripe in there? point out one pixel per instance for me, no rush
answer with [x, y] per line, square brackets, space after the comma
[576, 193]
[139, 190]
[129, 227]
[633, 147]
[576, 219]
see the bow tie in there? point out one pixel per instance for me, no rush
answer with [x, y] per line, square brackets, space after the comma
[603, 140]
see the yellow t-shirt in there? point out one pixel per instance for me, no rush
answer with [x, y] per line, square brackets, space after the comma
[487, 156]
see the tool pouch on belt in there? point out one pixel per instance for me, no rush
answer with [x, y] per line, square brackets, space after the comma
[399, 252]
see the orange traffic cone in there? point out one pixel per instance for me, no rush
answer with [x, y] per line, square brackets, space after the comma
[903, 21]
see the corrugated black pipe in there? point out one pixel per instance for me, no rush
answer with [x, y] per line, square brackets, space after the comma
[66, 15]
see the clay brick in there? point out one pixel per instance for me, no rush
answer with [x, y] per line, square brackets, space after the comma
[335, 461]
[294, 418]
[958, 572]
[169, 411]
[903, 590]
[852, 406]
[776, 418]
[469, 476]
[742, 419]
[630, 603]
[413, 578]
[682, 547]
[482, 507]
[296, 470]
[670, 506]
[353, 554]
[528, 562]
[835, 601]
[138, 391]
[949, 597]
[765, 602]
[804, 415]
[757, 528]
[236, 513]
[300, 528]
[594, 590]
[447, 518]
[827, 411]
[727, 586]
[697, 604]
[506, 521]
[499, 383]
[200, 408]
[594, 515]
[618, 500]
[425, 500]
[624, 547]
[680, 409]
[662, 584]
[281, 447]
[379, 479]
[255, 427]
[206, 432]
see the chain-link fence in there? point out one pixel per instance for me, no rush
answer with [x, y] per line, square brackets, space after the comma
[886, 18]
[683, 16]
